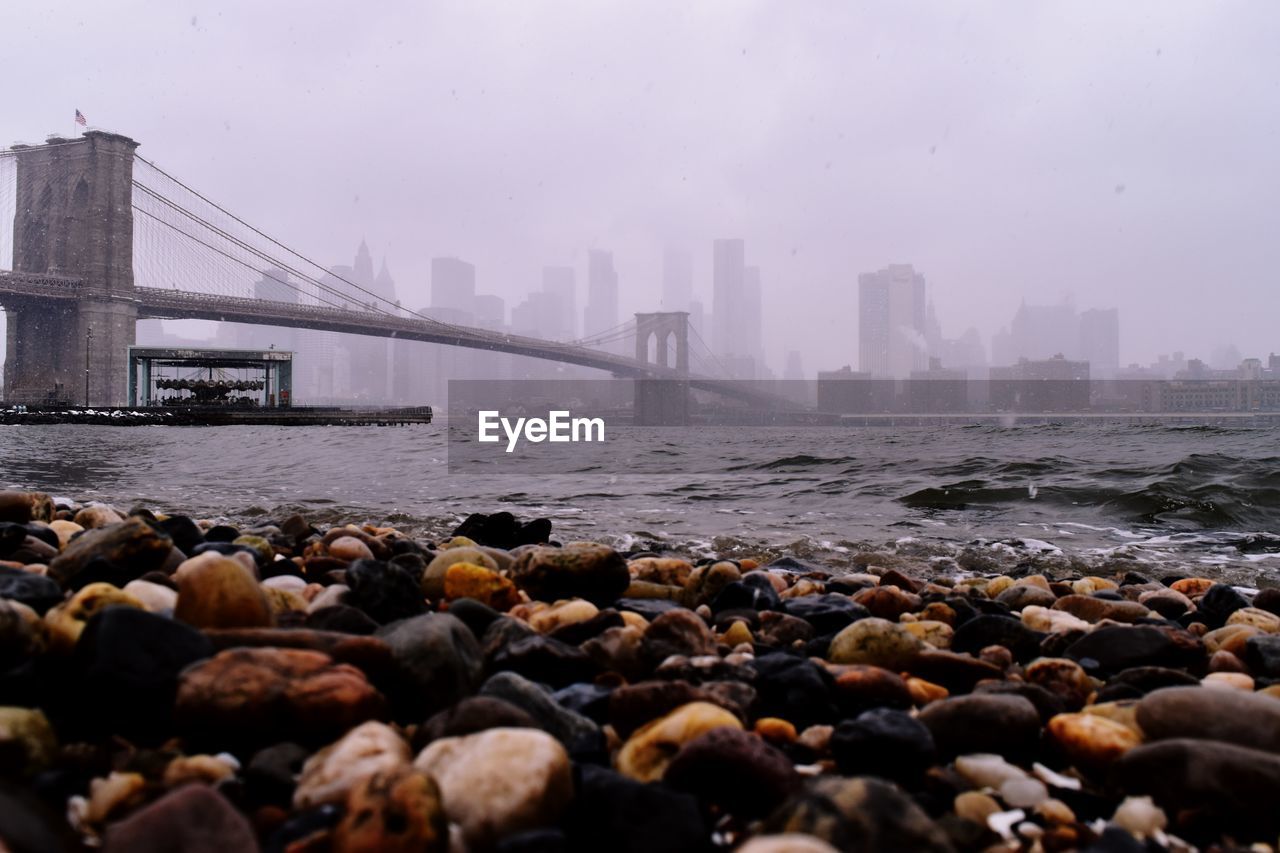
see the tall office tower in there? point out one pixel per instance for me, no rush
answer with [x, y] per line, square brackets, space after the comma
[795, 367]
[453, 286]
[677, 280]
[371, 369]
[752, 337]
[601, 312]
[728, 272]
[891, 322]
[698, 320]
[362, 269]
[1043, 331]
[1100, 341]
[276, 286]
[561, 283]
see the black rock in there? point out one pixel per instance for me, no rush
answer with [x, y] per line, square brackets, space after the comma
[439, 660]
[340, 617]
[476, 615]
[1118, 647]
[302, 825]
[502, 530]
[1219, 602]
[797, 566]
[27, 825]
[1262, 654]
[12, 536]
[734, 769]
[272, 773]
[988, 630]
[827, 613]
[794, 689]
[581, 737]
[127, 664]
[589, 700]
[984, 722]
[221, 533]
[546, 840]
[36, 591]
[1144, 679]
[649, 608]
[385, 591]
[1048, 704]
[886, 743]
[471, 715]
[740, 595]
[545, 660]
[576, 633]
[1235, 783]
[654, 817]
[184, 532]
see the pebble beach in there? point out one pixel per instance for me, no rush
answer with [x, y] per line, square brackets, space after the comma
[171, 682]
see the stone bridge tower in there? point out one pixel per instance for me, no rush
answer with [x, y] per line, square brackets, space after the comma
[74, 219]
[663, 401]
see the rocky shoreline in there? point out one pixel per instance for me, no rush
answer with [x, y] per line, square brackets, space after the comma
[170, 683]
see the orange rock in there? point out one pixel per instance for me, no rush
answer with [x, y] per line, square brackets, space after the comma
[775, 730]
[1091, 741]
[395, 811]
[217, 592]
[467, 580]
[263, 695]
[1192, 587]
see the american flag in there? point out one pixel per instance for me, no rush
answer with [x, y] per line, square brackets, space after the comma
[80, 119]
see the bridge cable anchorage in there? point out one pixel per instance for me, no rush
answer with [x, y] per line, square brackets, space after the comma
[311, 279]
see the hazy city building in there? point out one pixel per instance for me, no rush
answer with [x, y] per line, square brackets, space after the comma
[728, 276]
[677, 280]
[891, 322]
[601, 312]
[1100, 341]
[561, 282]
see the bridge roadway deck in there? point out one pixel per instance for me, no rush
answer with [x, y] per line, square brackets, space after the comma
[160, 303]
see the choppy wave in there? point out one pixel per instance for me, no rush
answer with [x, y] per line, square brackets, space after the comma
[1201, 495]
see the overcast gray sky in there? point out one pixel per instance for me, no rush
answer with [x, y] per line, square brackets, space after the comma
[1125, 153]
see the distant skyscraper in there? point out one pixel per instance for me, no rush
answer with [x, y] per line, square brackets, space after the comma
[562, 283]
[276, 286]
[752, 333]
[1043, 331]
[728, 272]
[891, 322]
[453, 286]
[601, 312]
[677, 280]
[1100, 341]
[795, 367]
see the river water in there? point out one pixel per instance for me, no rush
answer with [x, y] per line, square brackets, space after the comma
[1208, 497]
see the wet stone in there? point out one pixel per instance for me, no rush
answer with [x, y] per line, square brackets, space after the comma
[579, 735]
[987, 630]
[991, 723]
[1245, 719]
[887, 743]
[863, 814]
[117, 554]
[596, 573]
[384, 591]
[193, 818]
[737, 770]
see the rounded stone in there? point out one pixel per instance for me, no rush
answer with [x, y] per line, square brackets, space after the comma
[1229, 716]
[27, 741]
[863, 814]
[1090, 741]
[787, 842]
[467, 580]
[262, 695]
[65, 623]
[647, 753]
[192, 818]
[1006, 725]
[586, 570]
[886, 743]
[434, 575]
[877, 642]
[218, 592]
[333, 772]
[393, 811]
[737, 770]
[500, 781]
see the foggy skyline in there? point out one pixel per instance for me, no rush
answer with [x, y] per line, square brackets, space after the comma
[1122, 155]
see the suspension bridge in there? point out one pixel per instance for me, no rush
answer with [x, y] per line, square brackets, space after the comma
[103, 237]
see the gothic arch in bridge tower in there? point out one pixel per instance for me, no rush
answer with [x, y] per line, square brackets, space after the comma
[73, 221]
[663, 327]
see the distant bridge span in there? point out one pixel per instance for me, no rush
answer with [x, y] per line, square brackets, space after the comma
[72, 304]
